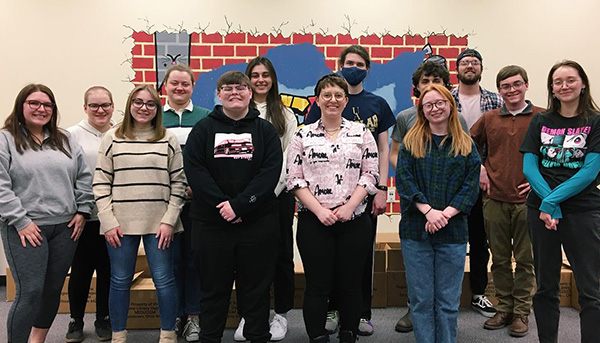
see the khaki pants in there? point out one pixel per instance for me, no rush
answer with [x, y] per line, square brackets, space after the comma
[507, 232]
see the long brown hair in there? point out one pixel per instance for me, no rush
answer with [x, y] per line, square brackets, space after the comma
[586, 104]
[16, 125]
[275, 108]
[125, 130]
[419, 137]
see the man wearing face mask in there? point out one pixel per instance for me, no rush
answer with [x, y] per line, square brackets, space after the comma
[373, 111]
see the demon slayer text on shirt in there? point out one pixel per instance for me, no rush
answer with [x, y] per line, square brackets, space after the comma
[561, 144]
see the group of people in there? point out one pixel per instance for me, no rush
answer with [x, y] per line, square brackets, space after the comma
[212, 196]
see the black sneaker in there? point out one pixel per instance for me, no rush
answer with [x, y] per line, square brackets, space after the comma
[482, 305]
[75, 331]
[178, 326]
[103, 329]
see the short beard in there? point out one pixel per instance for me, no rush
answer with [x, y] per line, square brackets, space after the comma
[469, 81]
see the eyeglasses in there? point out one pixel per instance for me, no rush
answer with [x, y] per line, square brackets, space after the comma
[229, 89]
[568, 82]
[474, 63]
[105, 106]
[34, 105]
[440, 104]
[139, 103]
[516, 85]
[329, 96]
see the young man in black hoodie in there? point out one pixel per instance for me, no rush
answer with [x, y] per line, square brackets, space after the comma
[232, 161]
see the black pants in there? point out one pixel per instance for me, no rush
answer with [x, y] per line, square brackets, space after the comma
[332, 253]
[186, 276]
[91, 254]
[367, 275]
[579, 234]
[479, 253]
[246, 253]
[283, 281]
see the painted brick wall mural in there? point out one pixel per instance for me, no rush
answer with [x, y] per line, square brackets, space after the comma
[300, 59]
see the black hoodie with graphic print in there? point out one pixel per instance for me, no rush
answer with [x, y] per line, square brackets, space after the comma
[235, 160]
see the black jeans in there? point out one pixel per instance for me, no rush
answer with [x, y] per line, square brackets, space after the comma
[91, 254]
[246, 253]
[332, 253]
[579, 234]
[284, 279]
[479, 253]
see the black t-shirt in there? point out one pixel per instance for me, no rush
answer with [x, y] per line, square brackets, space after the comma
[561, 144]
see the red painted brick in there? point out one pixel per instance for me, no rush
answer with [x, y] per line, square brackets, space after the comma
[136, 50]
[235, 60]
[139, 76]
[225, 50]
[200, 50]
[235, 38]
[142, 63]
[331, 64]
[149, 50]
[448, 52]
[280, 39]
[298, 38]
[262, 39]
[142, 37]
[212, 63]
[262, 50]
[195, 63]
[464, 40]
[334, 51]
[414, 40]
[437, 40]
[399, 51]
[452, 65]
[150, 76]
[396, 207]
[370, 39]
[346, 39]
[163, 101]
[320, 39]
[194, 37]
[212, 38]
[377, 60]
[391, 40]
[453, 79]
[381, 52]
[246, 50]
[321, 49]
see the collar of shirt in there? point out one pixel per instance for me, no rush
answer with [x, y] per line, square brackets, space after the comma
[320, 125]
[504, 111]
[85, 124]
[188, 108]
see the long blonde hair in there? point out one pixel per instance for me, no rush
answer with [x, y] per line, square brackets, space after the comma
[419, 137]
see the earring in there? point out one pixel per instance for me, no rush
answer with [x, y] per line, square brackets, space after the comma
[553, 95]
[582, 91]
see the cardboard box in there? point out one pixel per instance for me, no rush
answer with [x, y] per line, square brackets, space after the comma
[143, 305]
[396, 288]
[380, 293]
[387, 237]
[395, 261]
[380, 257]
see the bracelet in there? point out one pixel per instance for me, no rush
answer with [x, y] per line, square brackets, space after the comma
[429, 210]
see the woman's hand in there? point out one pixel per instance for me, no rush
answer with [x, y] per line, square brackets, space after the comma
[165, 235]
[226, 211]
[326, 216]
[77, 223]
[112, 236]
[379, 203]
[430, 228]
[437, 218]
[551, 224]
[31, 233]
[343, 213]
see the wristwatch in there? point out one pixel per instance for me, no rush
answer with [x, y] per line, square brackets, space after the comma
[382, 188]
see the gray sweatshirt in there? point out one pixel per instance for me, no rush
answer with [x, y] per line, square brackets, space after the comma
[44, 186]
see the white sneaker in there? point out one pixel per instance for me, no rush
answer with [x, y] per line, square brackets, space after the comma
[238, 336]
[333, 320]
[278, 328]
[191, 330]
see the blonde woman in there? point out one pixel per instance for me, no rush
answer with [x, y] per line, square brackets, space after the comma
[438, 181]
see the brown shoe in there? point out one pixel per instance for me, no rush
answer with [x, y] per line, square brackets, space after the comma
[498, 321]
[520, 325]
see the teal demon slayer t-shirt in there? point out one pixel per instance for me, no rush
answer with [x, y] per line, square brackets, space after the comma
[561, 145]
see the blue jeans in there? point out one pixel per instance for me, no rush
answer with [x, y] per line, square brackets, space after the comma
[434, 274]
[122, 268]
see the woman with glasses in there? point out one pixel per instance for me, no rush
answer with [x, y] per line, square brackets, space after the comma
[332, 167]
[437, 179]
[561, 162]
[91, 254]
[233, 162]
[45, 196]
[139, 187]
